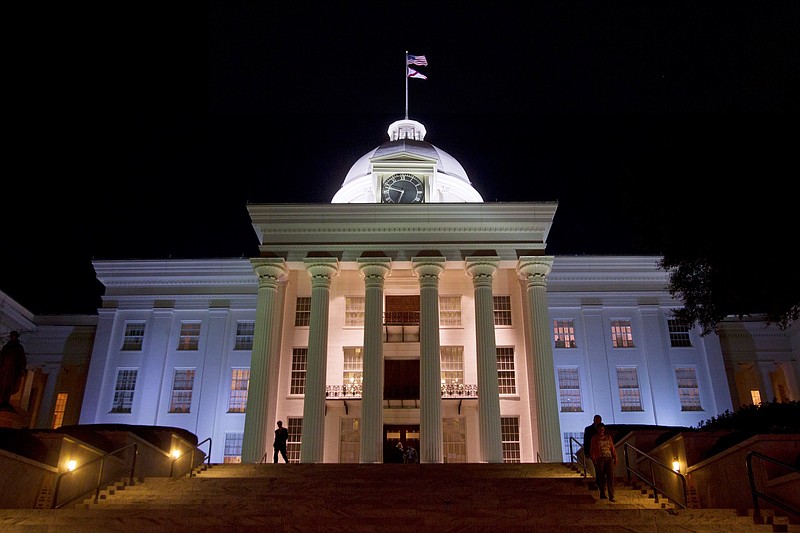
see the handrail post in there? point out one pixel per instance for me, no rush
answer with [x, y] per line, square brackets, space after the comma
[653, 479]
[99, 480]
[627, 463]
[751, 477]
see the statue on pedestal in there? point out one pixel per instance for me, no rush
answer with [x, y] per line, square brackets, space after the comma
[12, 369]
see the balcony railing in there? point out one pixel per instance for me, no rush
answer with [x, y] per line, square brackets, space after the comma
[353, 391]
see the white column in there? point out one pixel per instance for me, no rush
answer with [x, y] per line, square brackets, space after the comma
[374, 271]
[313, 436]
[482, 270]
[428, 269]
[535, 270]
[256, 433]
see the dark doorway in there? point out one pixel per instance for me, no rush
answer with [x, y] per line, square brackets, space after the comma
[401, 379]
[408, 435]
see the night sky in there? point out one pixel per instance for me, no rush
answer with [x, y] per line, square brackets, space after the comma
[142, 131]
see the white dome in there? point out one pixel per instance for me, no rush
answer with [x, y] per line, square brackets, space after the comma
[407, 137]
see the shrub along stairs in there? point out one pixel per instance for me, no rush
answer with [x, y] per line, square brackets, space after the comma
[386, 497]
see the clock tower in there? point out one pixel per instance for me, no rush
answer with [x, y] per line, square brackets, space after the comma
[406, 169]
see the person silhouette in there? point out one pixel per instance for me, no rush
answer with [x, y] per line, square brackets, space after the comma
[12, 368]
[279, 445]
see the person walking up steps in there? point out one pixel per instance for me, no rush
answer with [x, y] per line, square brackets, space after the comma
[281, 436]
[604, 457]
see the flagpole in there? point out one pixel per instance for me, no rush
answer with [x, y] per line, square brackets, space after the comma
[405, 70]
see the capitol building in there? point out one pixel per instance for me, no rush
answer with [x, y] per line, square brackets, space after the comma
[405, 310]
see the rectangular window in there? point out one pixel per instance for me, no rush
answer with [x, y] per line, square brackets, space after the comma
[123, 390]
[295, 428]
[190, 336]
[302, 313]
[510, 429]
[630, 398]
[350, 440]
[352, 370]
[679, 334]
[244, 335]
[134, 337]
[755, 396]
[233, 448]
[564, 333]
[621, 334]
[688, 390]
[569, 390]
[240, 381]
[502, 310]
[449, 310]
[299, 366]
[354, 311]
[182, 384]
[452, 367]
[454, 436]
[506, 376]
[59, 409]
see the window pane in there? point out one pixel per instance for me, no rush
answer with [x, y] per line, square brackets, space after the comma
[244, 335]
[134, 336]
[123, 391]
[233, 447]
[506, 376]
[569, 390]
[502, 310]
[352, 371]
[302, 314]
[688, 390]
[679, 334]
[629, 396]
[240, 382]
[621, 334]
[354, 311]
[564, 333]
[190, 336]
[182, 385]
[450, 310]
[295, 427]
[510, 429]
[299, 366]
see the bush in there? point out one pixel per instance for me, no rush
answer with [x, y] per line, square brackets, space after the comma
[770, 417]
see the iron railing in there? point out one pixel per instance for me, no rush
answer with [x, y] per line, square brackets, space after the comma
[573, 455]
[191, 453]
[104, 478]
[757, 494]
[680, 500]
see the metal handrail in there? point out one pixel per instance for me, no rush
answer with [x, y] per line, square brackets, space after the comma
[756, 494]
[192, 465]
[652, 461]
[573, 455]
[100, 481]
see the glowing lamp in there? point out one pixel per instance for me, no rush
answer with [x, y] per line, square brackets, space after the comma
[72, 464]
[176, 453]
[676, 465]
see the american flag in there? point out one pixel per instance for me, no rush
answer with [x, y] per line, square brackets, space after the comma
[414, 74]
[417, 60]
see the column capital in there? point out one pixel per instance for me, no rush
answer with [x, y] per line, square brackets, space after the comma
[535, 266]
[481, 266]
[322, 267]
[374, 266]
[269, 270]
[428, 266]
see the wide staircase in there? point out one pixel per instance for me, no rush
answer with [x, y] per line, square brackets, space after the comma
[387, 497]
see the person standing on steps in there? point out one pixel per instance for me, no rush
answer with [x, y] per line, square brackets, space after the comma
[604, 456]
[589, 432]
[281, 436]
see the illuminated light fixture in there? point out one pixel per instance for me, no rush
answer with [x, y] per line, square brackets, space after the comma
[72, 464]
[176, 453]
[676, 465]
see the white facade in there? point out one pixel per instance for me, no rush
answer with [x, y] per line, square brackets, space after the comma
[401, 311]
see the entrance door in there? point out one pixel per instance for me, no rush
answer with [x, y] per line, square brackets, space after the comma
[408, 435]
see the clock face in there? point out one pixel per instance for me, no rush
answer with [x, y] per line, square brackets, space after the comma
[403, 189]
